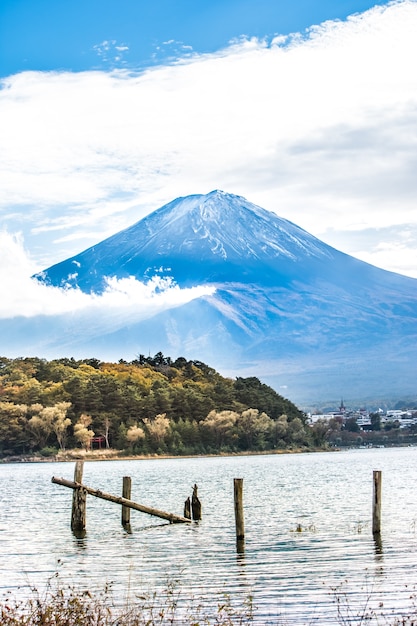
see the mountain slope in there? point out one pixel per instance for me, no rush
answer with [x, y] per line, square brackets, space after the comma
[286, 307]
[216, 237]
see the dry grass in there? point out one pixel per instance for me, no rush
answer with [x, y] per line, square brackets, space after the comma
[70, 607]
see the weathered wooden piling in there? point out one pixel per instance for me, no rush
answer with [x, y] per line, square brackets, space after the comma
[376, 508]
[171, 517]
[195, 505]
[239, 519]
[126, 493]
[187, 508]
[79, 500]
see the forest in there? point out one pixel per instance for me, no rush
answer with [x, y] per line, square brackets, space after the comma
[151, 405]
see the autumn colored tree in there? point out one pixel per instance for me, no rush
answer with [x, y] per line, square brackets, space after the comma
[253, 427]
[295, 432]
[157, 429]
[81, 431]
[279, 429]
[60, 421]
[39, 425]
[134, 434]
[221, 426]
[47, 420]
[14, 438]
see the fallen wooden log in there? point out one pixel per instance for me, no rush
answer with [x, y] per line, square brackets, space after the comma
[171, 517]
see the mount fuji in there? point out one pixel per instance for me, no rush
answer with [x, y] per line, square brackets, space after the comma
[309, 320]
[215, 238]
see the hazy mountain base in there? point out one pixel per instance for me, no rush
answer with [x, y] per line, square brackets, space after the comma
[310, 379]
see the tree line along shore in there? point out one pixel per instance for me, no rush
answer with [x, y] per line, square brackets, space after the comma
[149, 406]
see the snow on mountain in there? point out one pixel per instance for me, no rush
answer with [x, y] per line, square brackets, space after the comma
[307, 319]
[201, 238]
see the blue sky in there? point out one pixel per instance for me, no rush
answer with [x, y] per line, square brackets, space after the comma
[110, 109]
[47, 35]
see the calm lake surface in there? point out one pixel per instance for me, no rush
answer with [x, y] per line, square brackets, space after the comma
[291, 575]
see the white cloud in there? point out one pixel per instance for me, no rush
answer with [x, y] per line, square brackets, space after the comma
[320, 129]
[109, 51]
[123, 301]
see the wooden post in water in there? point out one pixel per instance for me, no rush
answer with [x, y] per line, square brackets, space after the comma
[239, 519]
[195, 505]
[126, 493]
[376, 509]
[187, 508]
[79, 500]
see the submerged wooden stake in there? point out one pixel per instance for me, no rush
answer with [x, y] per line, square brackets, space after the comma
[126, 493]
[376, 510]
[195, 505]
[239, 519]
[171, 517]
[187, 508]
[79, 500]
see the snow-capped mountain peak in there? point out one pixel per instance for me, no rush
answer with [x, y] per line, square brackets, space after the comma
[217, 237]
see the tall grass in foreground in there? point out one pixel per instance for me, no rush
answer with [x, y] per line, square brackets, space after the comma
[70, 607]
[369, 608]
[58, 606]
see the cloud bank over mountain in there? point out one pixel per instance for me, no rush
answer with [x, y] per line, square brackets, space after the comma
[120, 302]
[317, 127]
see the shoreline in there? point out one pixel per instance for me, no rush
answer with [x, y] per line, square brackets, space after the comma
[71, 456]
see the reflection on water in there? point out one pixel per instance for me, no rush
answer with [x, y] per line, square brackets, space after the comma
[80, 542]
[80, 536]
[294, 576]
[379, 555]
[240, 547]
[379, 552]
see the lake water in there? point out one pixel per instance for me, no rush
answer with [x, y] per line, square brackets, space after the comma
[294, 577]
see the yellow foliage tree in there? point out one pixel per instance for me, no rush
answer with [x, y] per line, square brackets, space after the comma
[81, 431]
[134, 434]
[157, 428]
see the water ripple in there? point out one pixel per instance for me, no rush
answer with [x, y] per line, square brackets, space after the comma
[309, 549]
